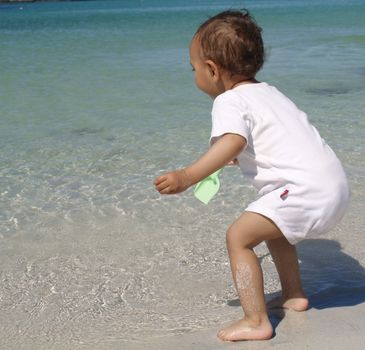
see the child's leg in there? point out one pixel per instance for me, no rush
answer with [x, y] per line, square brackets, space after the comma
[286, 261]
[245, 233]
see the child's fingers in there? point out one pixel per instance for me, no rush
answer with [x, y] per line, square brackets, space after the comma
[160, 179]
[167, 183]
[162, 187]
[166, 190]
[161, 184]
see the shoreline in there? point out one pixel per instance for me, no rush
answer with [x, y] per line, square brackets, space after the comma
[98, 99]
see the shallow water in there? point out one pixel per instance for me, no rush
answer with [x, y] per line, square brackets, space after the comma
[96, 99]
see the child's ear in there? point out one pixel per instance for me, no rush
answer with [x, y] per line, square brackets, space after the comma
[213, 69]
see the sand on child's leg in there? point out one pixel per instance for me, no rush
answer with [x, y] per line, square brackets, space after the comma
[255, 325]
[245, 233]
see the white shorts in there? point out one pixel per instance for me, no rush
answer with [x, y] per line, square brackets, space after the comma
[301, 214]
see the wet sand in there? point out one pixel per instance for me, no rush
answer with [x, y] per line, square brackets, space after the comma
[329, 329]
[103, 291]
[334, 279]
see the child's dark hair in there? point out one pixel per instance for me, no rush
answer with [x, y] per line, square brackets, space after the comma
[232, 39]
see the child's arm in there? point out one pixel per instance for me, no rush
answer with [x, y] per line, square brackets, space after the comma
[223, 151]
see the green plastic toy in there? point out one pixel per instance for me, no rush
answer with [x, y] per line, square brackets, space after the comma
[206, 189]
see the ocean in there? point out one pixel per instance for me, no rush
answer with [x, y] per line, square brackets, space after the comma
[96, 99]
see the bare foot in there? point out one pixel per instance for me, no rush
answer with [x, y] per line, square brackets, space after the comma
[242, 330]
[296, 304]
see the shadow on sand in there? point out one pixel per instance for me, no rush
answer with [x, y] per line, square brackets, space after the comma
[331, 278]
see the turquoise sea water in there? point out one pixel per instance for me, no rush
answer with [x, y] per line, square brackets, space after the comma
[97, 98]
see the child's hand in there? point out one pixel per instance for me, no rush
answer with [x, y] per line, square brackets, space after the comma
[173, 182]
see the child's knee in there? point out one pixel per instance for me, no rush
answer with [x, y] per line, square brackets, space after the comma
[237, 238]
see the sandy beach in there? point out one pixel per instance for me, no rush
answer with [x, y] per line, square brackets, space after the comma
[337, 328]
[97, 99]
[175, 293]
[334, 278]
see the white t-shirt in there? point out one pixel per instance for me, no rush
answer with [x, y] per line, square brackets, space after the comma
[284, 152]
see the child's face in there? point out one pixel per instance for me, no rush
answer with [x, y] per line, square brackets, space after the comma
[205, 79]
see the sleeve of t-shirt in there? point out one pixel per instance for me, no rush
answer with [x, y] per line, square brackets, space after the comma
[229, 116]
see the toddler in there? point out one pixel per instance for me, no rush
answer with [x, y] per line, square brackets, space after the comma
[303, 187]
